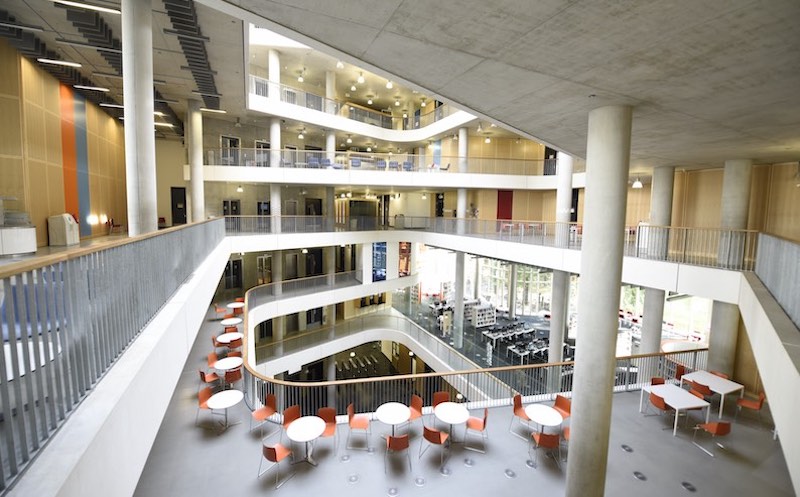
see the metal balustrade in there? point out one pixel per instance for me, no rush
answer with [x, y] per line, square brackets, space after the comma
[777, 267]
[711, 247]
[66, 318]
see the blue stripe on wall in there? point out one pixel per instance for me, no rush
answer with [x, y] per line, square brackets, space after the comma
[82, 163]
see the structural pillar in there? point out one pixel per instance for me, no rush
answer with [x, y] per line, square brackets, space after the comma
[458, 305]
[330, 208]
[658, 236]
[607, 164]
[461, 193]
[330, 145]
[512, 293]
[477, 287]
[559, 299]
[274, 74]
[140, 142]
[194, 124]
[734, 211]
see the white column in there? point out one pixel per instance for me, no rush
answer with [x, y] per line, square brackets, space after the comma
[461, 193]
[274, 72]
[140, 142]
[607, 160]
[330, 208]
[660, 218]
[330, 145]
[564, 164]
[194, 124]
[734, 211]
[275, 207]
[458, 305]
[512, 292]
[559, 299]
[330, 92]
[477, 286]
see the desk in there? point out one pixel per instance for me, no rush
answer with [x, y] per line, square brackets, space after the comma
[451, 413]
[543, 415]
[235, 305]
[227, 338]
[224, 400]
[677, 398]
[717, 385]
[228, 363]
[393, 413]
[231, 322]
[306, 429]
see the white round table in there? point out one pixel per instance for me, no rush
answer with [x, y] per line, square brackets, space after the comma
[393, 413]
[231, 321]
[228, 363]
[543, 415]
[451, 413]
[235, 305]
[224, 400]
[306, 429]
[227, 338]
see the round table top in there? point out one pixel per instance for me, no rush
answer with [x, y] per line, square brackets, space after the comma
[305, 429]
[235, 305]
[229, 337]
[225, 399]
[228, 363]
[231, 321]
[543, 415]
[451, 413]
[393, 413]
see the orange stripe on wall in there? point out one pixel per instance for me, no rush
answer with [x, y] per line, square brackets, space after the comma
[68, 153]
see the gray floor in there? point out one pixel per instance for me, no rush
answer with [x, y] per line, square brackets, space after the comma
[190, 460]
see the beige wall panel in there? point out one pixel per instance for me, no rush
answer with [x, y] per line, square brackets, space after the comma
[35, 139]
[678, 192]
[55, 189]
[52, 145]
[51, 94]
[548, 209]
[91, 119]
[581, 203]
[12, 182]
[9, 61]
[783, 218]
[487, 204]
[703, 194]
[169, 172]
[38, 207]
[638, 209]
[32, 83]
[759, 197]
[10, 127]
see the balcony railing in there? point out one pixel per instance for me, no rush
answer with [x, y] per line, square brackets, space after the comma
[262, 87]
[368, 161]
[67, 318]
[718, 248]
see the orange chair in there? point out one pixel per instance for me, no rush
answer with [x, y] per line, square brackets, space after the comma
[438, 398]
[231, 329]
[720, 374]
[235, 353]
[274, 454]
[235, 344]
[396, 444]
[754, 404]
[434, 437]
[290, 414]
[328, 414]
[680, 370]
[202, 402]
[261, 414]
[657, 380]
[357, 422]
[212, 359]
[232, 376]
[208, 378]
[662, 407]
[519, 413]
[239, 299]
[416, 408]
[215, 343]
[477, 425]
[545, 441]
[563, 405]
[220, 310]
[703, 389]
[715, 429]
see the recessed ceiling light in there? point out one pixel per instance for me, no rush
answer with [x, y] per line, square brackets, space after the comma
[165, 125]
[91, 88]
[113, 106]
[215, 111]
[87, 6]
[56, 62]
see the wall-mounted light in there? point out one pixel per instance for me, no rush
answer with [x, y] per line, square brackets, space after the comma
[423, 103]
[341, 195]
[397, 103]
[369, 100]
[92, 219]
[353, 88]
[410, 353]
[239, 189]
[300, 78]
[369, 148]
[352, 354]
[349, 194]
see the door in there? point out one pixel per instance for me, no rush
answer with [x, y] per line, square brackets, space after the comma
[229, 150]
[233, 274]
[231, 207]
[549, 161]
[262, 153]
[505, 204]
[178, 195]
[264, 269]
[440, 205]
[262, 208]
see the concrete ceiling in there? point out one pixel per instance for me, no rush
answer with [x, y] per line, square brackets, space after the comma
[708, 81]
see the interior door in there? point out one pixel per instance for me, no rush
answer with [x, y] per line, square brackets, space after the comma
[505, 204]
[178, 196]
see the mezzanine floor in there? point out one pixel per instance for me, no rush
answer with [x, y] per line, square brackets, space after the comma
[190, 460]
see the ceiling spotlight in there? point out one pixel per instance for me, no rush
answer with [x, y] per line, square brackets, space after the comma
[637, 184]
[487, 140]
[397, 103]
[405, 115]
[360, 79]
[369, 101]
[424, 196]
[492, 125]
[339, 64]
[304, 251]
[301, 136]
[349, 140]
[480, 129]
[353, 88]
[389, 85]
[300, 78]
[341, 195]
[423, 103]
[349, 195]
[369, 148]
[455, 137]
[239, 189]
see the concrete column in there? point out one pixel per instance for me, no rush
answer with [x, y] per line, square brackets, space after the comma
[559, 299]
[734, 211]
[607, 165]
[194, 123]
[658, 236]
[559, 315]
[140, 142]
[330, 92]
[512, 292]
[275, 142]
[330, 208]
[329, 253]
[275, 207]
[330, 145]
[477, 289]
[564, 164]
[463, 150]
[458, 305]
[277, 271]
[461, 193]
[274, 72]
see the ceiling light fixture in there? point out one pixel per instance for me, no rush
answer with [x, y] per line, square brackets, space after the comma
[349, 195]
[405, 115]
[300, 135]
[349, 140]
[87, 6]
[239, 189]
[56, 62]
[90, 88]
[480, 129]
[487, 140]
[369, 100]
[637, 184]
[300, 78]
[215, 111]
[112, 106]
[423, 103]
[389, 85]
[353, 88]
[397, 103]
[304, 251]
[360, 79]
[339, 64]
[164, 125]
[24, 27]
[369, 148]
[424, 196]
[158, 113]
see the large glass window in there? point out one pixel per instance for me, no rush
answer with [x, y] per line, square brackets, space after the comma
[379, 261]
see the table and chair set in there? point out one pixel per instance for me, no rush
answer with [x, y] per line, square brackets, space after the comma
[694, 392]
[548, 431]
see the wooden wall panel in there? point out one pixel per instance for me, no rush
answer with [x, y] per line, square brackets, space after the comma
[702, 197]
[783, 214]
[638, 207]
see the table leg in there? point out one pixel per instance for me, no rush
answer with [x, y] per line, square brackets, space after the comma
[675, 427]
[641, 398]
[309, 454]
[721, 404]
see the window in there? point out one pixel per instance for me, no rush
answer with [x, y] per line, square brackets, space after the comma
[229, 150]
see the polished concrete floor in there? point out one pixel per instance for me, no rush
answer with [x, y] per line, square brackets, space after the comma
[199, 461]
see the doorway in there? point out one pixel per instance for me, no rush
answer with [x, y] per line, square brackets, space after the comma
[231, 207]
[440, 205]
[505, 204]
[178, 196]
[233, 274]
[229, 150]
[262, 153]
[313, 207]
